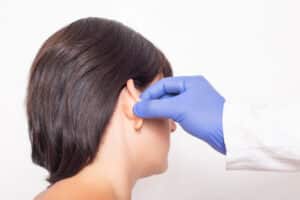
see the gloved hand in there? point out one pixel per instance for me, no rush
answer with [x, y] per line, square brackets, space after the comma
[191, 101]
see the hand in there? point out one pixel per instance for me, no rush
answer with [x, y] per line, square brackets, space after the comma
[191, 101]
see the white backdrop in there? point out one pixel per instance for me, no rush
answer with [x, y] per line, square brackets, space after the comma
[249, 50]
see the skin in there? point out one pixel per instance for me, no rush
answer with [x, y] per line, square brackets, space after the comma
[131, 148]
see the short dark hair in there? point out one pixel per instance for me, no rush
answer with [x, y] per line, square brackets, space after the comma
[74, 83]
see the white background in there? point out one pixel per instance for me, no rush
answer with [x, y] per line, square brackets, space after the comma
[249, 50]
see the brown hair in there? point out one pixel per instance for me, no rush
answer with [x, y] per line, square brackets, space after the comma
[74, 83]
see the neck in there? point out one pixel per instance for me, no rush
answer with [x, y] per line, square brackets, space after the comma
[112, 167]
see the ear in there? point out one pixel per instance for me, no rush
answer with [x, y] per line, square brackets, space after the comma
[131, 96]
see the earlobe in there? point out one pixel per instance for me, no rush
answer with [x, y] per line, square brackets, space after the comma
[138, 124]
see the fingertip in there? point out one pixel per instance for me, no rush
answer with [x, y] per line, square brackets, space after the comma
[134, 109]
[138, 109]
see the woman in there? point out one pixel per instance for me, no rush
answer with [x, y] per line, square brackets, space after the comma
[83, 84]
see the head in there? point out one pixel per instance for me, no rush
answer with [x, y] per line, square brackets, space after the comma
[146, 141]
[83, 82]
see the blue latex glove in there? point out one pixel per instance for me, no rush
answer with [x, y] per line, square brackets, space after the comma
[191, 101]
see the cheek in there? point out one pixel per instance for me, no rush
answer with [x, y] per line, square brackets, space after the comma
[153, 146]
[158, 132]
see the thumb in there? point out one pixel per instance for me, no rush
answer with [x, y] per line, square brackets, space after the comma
[156, 108]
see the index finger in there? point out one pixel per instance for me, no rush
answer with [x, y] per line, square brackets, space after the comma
[165, 86]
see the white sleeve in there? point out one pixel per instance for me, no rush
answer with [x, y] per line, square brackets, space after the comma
[262, 137]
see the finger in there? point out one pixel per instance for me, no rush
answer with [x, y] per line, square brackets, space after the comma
[168, 85]
[157, 108]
